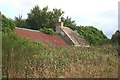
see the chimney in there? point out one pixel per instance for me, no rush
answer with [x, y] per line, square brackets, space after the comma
[59, 25]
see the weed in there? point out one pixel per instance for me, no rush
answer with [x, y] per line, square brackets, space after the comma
[32, 59]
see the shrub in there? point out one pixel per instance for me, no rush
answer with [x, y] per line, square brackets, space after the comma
[7, 24]
[92, 34]
[105, 41]
[115, 37]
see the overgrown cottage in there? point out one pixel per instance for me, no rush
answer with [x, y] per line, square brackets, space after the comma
[65, 36]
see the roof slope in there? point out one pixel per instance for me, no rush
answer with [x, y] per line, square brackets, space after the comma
[38, 36]
[75, 37]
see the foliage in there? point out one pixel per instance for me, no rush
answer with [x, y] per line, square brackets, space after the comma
[20, 22]
[39, 18]
[47, 30]
[115, 37]
[7, 24]
[68, 22]
[0, 20]
[23, 58]
[92, 34]
[105, 42]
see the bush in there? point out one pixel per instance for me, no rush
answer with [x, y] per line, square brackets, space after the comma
[7, 24]
[92, 34]
[105, 41]
[115, 37]
[48, 30]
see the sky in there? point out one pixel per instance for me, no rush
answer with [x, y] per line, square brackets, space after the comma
[102, 14]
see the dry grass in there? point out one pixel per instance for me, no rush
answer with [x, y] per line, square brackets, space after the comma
[26, 59]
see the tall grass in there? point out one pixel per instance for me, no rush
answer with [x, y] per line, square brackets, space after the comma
[23, 58]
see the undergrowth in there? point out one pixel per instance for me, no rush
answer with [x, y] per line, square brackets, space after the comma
[23, 58]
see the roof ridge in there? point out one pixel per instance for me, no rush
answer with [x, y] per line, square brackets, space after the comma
[28, 29]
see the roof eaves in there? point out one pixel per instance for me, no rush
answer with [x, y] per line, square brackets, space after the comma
[27, 29]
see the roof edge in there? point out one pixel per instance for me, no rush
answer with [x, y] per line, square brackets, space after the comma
[27, 29]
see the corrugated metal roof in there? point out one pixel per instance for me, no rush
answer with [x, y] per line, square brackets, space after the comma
[37, 36]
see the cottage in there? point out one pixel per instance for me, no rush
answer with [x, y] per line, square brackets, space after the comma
[66, 36]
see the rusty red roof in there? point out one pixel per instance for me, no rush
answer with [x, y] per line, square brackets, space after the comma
[38, 36]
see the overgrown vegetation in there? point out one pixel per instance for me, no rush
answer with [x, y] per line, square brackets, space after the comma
[47, 31]
[21, 22]
[7, 24]
[115, 37]
[68, 22]
[23, 58]
[92, 34]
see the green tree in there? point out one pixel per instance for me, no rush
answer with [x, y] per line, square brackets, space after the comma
[34, 20]
[92, 34]
[7, 24]
[20, 22]
[68, 22]
[0, 21]
[40, 18]
[115, 37]
[55, 15]
[116, 40]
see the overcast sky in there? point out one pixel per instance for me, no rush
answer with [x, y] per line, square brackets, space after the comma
[102, 14]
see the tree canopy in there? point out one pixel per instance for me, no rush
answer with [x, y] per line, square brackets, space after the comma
[92, 34]
[7, 24]
[39, 18]
[68, 22]
[20, 22]
[43, 18]
[116, 37]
